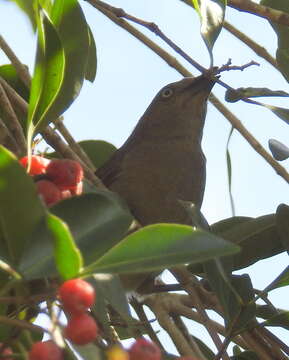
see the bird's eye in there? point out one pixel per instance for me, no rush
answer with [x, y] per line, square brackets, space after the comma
[167, 92]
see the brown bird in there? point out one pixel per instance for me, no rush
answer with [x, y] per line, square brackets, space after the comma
[162, 161]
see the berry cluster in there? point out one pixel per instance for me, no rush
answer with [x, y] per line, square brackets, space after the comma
[55, 179]
[76, 297]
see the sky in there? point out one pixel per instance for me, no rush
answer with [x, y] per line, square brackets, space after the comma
[128, 77]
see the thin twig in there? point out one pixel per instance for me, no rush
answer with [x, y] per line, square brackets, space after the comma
[255, 346]
[21, 324]
[7, 139]
[276, 351]
[236, 123]
[138, 308]
[21, 69]
[12, 121]
[185, 278]
[190, 339]
[53, 139]
[265, 12]
[265, 332]
[157, 304]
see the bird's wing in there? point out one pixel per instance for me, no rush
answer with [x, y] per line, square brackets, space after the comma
[111, 169]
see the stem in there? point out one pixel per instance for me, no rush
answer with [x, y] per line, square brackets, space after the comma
[12, 121]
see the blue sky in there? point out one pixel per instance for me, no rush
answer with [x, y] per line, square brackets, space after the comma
[128, 77]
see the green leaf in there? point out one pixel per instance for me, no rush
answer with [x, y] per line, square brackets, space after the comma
[47, 78]
[282, 220]
[67, 256]
[212, 13]
[282, 32]
[9, 74]
[69, 20]
[235, 294]
[233, 95]
[279, 151]
[258, 239]
[245, 355]
[282, 113]
[229, 171]
[196, 6]
[280, 281]
[21, 210]
[88, 352]
[97, 221]
[91, 66]
[159, 246]
[208, 353]
[221, 226]
[98, 151]
[281, 320]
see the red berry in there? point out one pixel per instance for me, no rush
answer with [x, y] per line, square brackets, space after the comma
[49, 192]
[6, 352]
[81, 329]
[38, 164]
[46, 350]
[77, 190]
[65, 194]
[76, 295]
[65, 173]
[143, 349]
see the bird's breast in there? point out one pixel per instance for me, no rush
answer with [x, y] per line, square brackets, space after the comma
[154, 177]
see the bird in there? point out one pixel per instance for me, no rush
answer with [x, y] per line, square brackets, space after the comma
[161, 169]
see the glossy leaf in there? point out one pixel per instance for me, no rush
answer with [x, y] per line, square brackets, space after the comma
[282, 32]
[235, 293]
[258, 239]
[281, 320]
[229, 171]
[91, 66]
[89, 352]
[212, 13]
[245, 355]
[208, 353]
[233, 95]
[47, 78]
[282, 113]
[97, 221]
[67, 256]
[99, 151]
[9, 74]
[282, 220]
[21, 210]
[69, 21]
[279, 151]
[280, 281]
[159, 246]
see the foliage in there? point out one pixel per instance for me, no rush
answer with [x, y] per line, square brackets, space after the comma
[89, 235]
